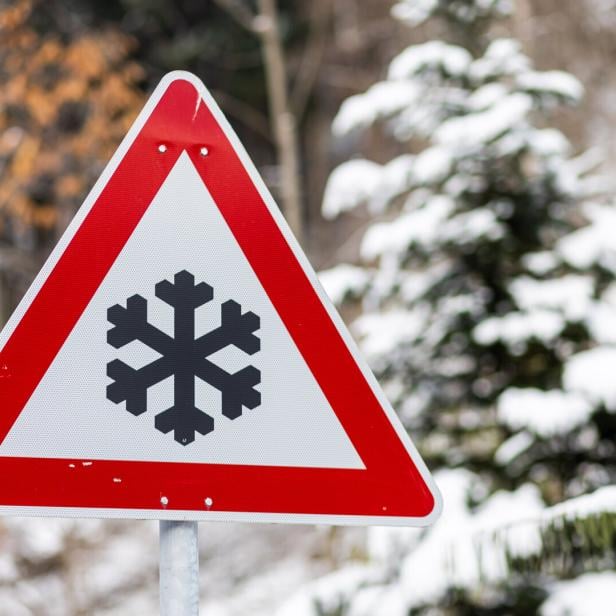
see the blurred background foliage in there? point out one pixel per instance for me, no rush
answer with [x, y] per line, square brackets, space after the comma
[75, 74]
[65, 103]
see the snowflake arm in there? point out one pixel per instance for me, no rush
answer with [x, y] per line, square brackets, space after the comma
[131, 323]
[237, 389]
[184, 421]
[131, 385]
[183, 293]
[235, 328]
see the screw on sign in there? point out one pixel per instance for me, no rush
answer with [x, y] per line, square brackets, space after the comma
[189, 308]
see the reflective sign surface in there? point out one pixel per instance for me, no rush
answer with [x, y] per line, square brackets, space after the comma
[177, 358]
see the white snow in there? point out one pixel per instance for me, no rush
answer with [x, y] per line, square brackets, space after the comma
[350, 184]
[329, 592]
[557, 83]
[589, 594]
[570, 294]
[601, 322]
[358, 182]
[261, 591]
[118, 559]
[546, 413]
[456, 365]
[600, 501]
[344, 281]
[592, 373]
[464, 547]
[385, 600]
[388, 544]
[414, 11]
[514, 446]
[601, 318]
[597, 502]
[432, 166]
[14, 606]
[480, 222]
[433, 55]
[517, 327]
[594, 243]
[421, 226]
[540, 263]
[438, 102]
[483, 127]
[486, 96]
[382, 333]
[40, 538]
[461, 549]
[381, 100]
[547, 142]
[415, 284]
[397, 176]
[502, 57]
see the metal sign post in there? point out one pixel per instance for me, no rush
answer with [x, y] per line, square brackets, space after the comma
[179, 568]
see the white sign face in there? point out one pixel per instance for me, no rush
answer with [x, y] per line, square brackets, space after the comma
[177, 358]
[69, 416]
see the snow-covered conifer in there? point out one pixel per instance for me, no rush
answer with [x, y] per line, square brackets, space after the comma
[488, 309]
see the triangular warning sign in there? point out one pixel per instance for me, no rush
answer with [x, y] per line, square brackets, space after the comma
[177, 358]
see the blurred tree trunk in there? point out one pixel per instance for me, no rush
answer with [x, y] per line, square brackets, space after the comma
[265, 25]
[4, 308]
[281, 116]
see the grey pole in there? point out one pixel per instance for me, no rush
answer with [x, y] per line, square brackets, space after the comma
[179, 568]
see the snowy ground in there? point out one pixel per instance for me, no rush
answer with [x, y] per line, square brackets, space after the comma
[67, 568]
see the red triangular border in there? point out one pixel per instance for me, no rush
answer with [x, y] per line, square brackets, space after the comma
[391, 489]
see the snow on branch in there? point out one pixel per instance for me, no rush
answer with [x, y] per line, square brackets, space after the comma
[478, 129]
[592, 374]
[415, 12]
[350, 185]
[344, 281]
[546, 413]
[437, 56]
[556, 83]
[380, 101]
[590, 593]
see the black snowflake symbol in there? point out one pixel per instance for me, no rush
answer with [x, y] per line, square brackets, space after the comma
[184, 357]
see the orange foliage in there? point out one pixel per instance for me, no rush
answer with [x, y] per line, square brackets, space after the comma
[64, 107]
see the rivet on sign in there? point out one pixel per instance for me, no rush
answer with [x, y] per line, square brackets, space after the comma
[164, 501]
[208, 502]
[162, 148]
[204, 151]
